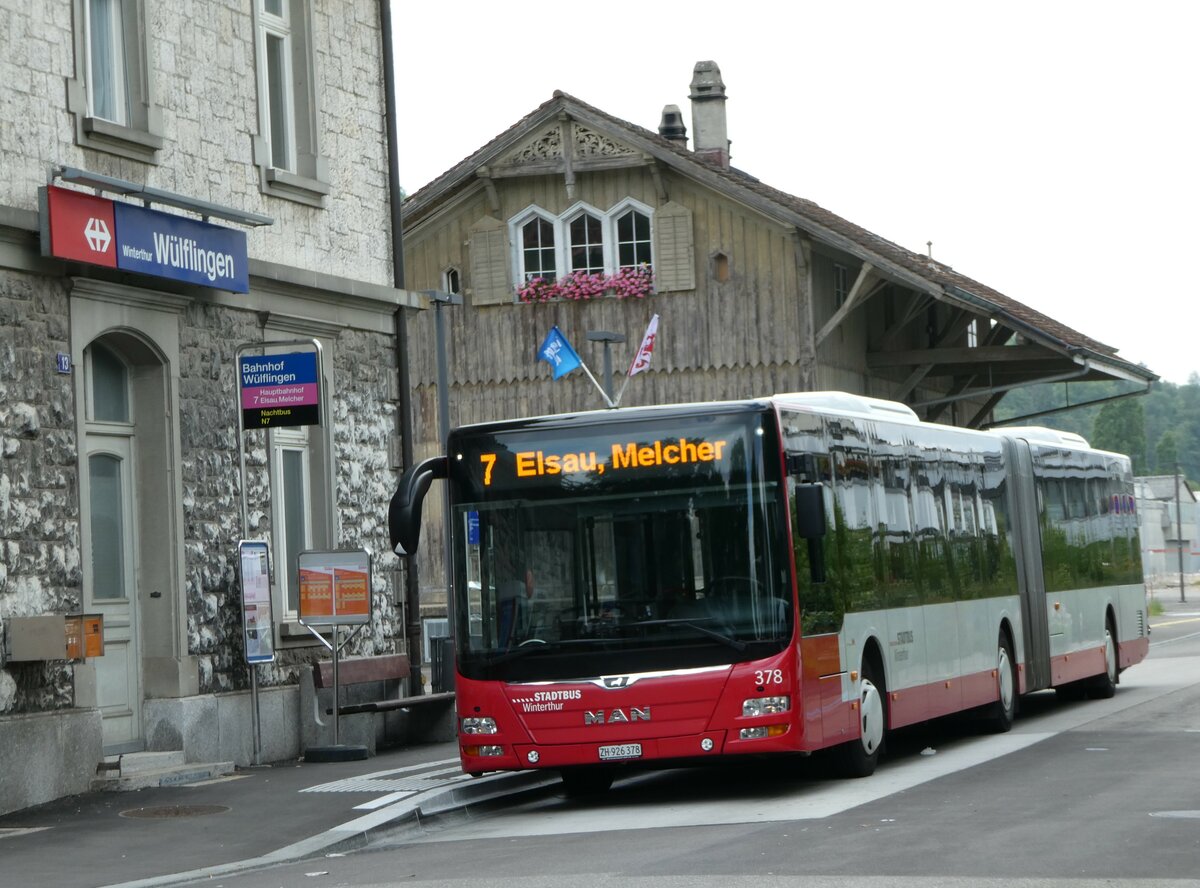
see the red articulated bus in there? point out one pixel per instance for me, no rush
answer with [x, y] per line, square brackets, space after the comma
[655, 586]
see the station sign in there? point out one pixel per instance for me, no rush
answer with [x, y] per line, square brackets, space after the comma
[279, 390]
[81, 227]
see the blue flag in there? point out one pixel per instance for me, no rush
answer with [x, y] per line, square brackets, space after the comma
[557, 352]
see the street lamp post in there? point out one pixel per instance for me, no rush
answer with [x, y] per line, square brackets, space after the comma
[608, 338]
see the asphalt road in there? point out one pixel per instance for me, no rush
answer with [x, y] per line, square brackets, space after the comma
[1101, 792]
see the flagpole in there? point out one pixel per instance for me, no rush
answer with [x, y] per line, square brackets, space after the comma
[599, 387]
[647, 348]
[622, 391]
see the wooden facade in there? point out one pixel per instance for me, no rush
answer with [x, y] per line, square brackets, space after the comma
[757, 291]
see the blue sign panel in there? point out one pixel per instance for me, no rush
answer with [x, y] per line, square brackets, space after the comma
[473, 528]
[164, 245]
[279, 390]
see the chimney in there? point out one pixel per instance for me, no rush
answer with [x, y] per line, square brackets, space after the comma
[672, 127]
[708, 114]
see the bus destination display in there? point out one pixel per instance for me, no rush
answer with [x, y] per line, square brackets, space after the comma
[621, 456]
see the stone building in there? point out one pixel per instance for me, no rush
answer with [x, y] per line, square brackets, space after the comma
[261, 125]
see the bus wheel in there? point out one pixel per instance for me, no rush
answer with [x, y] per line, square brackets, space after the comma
[1004, 710]
[859, 757]
[1104, 686]
[583, 782]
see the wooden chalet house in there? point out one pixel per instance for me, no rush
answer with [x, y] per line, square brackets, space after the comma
[758, 291]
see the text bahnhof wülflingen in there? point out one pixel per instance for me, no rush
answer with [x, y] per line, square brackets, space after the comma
[266, 373]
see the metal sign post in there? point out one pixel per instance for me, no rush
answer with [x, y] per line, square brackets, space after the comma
[276, 389]
[335, 591]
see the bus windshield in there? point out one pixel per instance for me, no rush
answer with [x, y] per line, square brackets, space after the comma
[584, 550]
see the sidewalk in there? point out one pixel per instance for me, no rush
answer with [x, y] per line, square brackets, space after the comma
[252, 818]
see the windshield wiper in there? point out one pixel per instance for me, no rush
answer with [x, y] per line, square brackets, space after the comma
[703, 630]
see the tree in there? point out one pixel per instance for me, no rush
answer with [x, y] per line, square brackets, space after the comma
[1166, 454]
[1121, 426]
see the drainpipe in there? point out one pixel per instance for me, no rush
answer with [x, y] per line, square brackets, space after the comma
[412, 590]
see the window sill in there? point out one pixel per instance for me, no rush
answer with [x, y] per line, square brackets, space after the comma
[290, 186]
[104, 135]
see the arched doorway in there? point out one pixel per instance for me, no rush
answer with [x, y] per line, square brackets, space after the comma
[126, 517]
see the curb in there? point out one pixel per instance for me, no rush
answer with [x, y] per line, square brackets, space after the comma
[355, 834]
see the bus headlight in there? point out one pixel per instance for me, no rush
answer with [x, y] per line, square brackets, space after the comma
[766, 706]
[483, 751]
[478, 725]
[763, 732]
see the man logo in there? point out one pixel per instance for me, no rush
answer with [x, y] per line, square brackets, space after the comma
[617, 716]
[96, 232]
[614, 682]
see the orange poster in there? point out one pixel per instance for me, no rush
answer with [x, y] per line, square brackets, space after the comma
[353, 590]
[316, 593]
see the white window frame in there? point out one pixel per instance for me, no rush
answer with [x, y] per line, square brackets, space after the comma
[562, 235]
[137, 134]
[289, 440]
[518, 247]
[606, 245]
[452, 280]
[120, 66]
[273, 27]
[613, 239]
[303, 176]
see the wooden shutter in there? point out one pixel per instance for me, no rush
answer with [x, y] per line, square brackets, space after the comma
[489, 284]
[674, 249]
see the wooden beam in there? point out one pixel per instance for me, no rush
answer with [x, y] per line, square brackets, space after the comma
[857, 295]
[955, 324]
[910, 385]
[996, 354]
[485, 176]
[802, 250]
[916, 307]
[988, 406]
[567, 133]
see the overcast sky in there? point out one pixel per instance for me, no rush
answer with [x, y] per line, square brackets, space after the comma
[1047, 149]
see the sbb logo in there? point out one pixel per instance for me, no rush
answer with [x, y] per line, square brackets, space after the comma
[96, 232]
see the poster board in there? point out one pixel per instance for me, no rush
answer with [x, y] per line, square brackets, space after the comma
[254, 564]
[335, 587]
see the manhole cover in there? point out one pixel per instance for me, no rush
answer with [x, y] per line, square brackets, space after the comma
[164, 812]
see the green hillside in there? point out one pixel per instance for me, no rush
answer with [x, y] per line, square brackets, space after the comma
[1156, 429]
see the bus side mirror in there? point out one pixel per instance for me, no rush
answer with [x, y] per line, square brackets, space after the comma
[404, 512]
[810, 511]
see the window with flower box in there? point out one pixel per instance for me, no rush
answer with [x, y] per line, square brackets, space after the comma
[583, 253]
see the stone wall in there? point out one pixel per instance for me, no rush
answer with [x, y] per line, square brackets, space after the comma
[39, 530]
[364, 419]
[202, 60]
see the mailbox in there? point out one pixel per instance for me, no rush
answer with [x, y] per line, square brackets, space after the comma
[52, 637]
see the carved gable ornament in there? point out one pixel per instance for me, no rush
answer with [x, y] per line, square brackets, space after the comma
[592, 144]
[547, 146]
[585, 144]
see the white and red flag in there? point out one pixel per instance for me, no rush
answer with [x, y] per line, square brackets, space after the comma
[641, 361]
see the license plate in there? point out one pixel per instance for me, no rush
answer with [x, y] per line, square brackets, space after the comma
[620, 751]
